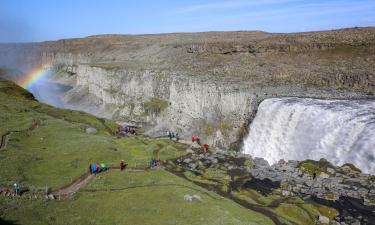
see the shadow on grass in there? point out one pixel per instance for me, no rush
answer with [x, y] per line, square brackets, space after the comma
[7, 222]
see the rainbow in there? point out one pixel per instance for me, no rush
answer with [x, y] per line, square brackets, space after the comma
[33, 77]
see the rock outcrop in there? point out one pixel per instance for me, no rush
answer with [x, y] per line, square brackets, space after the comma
[345, 188]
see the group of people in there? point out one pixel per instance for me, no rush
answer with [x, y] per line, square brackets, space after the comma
[172, 135]
[126, 130]
[195, 139]
[97, 168]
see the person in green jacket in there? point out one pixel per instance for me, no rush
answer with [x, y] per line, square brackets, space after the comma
[103, 167]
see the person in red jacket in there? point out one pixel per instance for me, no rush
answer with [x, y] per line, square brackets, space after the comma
[122, 165]
[205, 148]
[98, 167]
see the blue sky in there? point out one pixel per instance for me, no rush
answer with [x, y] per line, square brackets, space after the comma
[40, 20]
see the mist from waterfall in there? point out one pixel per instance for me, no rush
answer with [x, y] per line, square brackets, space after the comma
[342, 131]
[49, 92]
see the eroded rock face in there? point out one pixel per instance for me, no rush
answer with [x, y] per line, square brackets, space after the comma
[205, 83]
[192, 104]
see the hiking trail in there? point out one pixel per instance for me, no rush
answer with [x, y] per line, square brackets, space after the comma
[4, 140]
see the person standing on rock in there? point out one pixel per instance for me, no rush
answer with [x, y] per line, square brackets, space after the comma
[16, 189]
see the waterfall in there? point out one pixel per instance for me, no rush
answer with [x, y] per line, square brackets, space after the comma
[342, 131]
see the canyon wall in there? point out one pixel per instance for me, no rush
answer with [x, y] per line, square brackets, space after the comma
[205, 83]
[185, 104]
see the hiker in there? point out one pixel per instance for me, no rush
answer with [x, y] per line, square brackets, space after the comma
[93, 169]
[170, 135]
[132, 131]
[154, 163]
[16, 189]
[122, 165]
[205, 148]
[177, 137]
[103, 167]
[198, 140]
[90, 168]
[97, 166]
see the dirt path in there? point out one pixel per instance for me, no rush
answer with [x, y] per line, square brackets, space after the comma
[4, 140]
[5, 137]
[86, 178]
[74, 186]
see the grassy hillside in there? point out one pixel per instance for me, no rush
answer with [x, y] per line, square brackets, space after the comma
[135, 198]
[49, 147]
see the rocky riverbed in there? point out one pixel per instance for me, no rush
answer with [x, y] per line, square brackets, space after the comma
[345, 188]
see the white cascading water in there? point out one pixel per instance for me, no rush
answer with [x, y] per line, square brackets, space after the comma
[342, 131]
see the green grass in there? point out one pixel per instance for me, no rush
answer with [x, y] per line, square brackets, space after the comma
[310, 167]
[154, 197]
[60, 150]
[106, 66]
[155, 105]
[290, 211]
[352, 167]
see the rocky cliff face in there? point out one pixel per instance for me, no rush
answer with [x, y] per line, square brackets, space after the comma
[204, 83]
[185, 104]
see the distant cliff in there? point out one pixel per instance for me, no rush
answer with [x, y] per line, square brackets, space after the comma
[207, 83]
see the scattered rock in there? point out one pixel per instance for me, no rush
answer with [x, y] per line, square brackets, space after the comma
[51, 197]
[323, 219]
[197, 197]
[331, 171]
[91, 130]
[188, 198]
[189, 151]
[193, 166]
[323, 175]
[260, 163]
